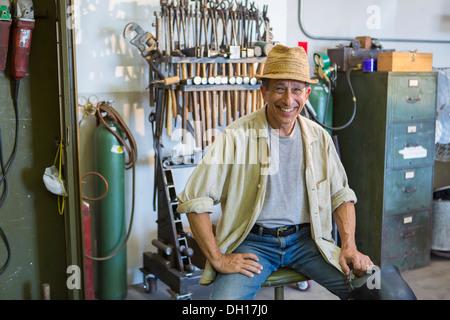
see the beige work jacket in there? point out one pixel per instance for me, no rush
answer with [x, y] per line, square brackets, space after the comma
[234, 173]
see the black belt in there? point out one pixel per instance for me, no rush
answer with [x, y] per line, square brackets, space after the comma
[278, 232]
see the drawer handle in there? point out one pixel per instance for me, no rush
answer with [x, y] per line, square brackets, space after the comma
[409, 234]
[409, 145]
[409, 190]
[412, 100]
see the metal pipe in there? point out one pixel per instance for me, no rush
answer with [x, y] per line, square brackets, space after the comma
[309, 35]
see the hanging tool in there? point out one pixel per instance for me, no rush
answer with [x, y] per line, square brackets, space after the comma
[165, 23]
[23, 25]
[168, 81]
[143, 40]
[146, 44]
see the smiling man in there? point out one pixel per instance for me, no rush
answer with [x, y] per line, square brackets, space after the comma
[280, 217]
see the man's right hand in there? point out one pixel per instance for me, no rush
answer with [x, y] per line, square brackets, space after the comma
[245, 263]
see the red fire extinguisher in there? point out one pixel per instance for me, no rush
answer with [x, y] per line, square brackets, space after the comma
[23, 25]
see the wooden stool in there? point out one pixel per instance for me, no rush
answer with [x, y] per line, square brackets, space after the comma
[281, 277]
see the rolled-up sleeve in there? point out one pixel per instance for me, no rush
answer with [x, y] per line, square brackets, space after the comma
[344, 195]
[339, 188]
[198, 205]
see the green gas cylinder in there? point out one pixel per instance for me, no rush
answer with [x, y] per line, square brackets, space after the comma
[109, 219]
[318, 100]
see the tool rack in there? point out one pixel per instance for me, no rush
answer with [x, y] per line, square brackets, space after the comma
[210, 91]
[172, 263]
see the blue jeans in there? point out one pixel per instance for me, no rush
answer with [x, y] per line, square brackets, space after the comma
[297, 251]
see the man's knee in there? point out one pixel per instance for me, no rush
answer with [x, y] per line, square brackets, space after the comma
[237, 286]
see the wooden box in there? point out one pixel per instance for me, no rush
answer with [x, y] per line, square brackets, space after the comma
[405, 61]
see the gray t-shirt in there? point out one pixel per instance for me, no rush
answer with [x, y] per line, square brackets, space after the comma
[285, 201]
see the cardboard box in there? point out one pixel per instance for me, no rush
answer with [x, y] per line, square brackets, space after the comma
[405, 61]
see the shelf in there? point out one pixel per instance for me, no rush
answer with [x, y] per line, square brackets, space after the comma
[167, 59]
[209, 87]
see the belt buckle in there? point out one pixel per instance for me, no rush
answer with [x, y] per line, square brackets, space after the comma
[281, 229]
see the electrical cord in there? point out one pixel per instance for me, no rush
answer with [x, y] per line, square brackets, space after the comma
[5, 170]
[2, 201]
[16, 139]
[347, 73]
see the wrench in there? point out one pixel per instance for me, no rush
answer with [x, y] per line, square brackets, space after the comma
[144, 41]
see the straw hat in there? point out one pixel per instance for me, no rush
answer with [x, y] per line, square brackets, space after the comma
[287, 63]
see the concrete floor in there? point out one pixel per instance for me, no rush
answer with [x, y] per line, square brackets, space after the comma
[428, 283]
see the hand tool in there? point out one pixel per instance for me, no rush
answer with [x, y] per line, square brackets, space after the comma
[198, 95]
[203, 119]
[235, 92]
[146, 44]
[174, 103]
[159, 31]
[23, 25]
[168, 81]
[204, 11]
[197, 29]
[235, 49]
[170, 28]
[176, 95]
[242, 95]
[182, 8]
[221, 106]
[182, 110]
[197, 120]
[176, 10]
[223, 16]
[212, 18]
[188, 46]
[253, 82]
[169, 112]
[185, 99]
[227, 105]
[267, 37]
[166, 23]
[213, 72]
[208, 117]
[245, 93]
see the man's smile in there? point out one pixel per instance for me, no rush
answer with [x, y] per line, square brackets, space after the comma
[288, 110]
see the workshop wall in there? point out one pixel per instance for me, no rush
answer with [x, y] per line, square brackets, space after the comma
[29, 216]
[109, 67]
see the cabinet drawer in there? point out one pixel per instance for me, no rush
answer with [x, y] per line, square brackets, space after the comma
[410, 144]
[408, 189]
[406, 240]
[411, 97]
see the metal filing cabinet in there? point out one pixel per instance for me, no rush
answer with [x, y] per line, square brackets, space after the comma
[388, 153]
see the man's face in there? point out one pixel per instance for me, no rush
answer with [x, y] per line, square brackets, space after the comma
[285, 100]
